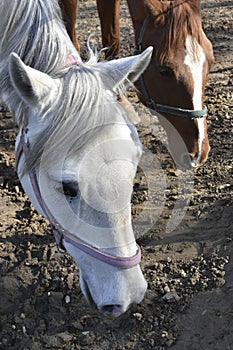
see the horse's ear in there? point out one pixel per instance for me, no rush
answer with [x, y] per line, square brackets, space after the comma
[30, 84]
[130, 68]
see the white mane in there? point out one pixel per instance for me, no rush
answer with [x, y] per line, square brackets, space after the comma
[35, 31]
[32, 29]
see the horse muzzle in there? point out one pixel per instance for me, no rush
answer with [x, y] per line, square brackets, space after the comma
[113, 297]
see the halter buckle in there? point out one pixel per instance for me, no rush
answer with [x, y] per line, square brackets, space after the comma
[59, 240]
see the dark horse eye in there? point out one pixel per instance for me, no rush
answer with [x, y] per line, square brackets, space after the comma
[166, 72]
[70, 188]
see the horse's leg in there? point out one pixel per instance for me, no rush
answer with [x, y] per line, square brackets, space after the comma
[70, 10]
[109, 14]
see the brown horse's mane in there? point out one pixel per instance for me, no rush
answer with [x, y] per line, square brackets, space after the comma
[176, 19]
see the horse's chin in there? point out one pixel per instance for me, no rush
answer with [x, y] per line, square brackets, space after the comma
[108, 311]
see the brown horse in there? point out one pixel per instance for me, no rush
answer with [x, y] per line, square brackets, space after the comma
[174, 82]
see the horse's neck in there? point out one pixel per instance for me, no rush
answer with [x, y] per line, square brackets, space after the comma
[137, 12]
[142, 9]
[59, 34]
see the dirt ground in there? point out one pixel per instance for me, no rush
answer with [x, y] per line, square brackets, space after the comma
[189, 302]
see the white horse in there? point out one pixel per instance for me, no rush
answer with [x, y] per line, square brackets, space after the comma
[76, 151]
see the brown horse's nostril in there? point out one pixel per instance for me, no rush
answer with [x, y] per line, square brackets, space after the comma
[112, 311]
[189, 160]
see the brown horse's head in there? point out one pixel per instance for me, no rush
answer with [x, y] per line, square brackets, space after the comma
[176, 76]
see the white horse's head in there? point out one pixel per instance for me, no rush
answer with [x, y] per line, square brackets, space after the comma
[78, 162]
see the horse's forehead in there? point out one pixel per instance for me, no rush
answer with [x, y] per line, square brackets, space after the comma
[114, 144]
[194, 52]
[194, 61]
[186, 58]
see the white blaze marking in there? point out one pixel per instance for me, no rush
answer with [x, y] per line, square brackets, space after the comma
[195, 59]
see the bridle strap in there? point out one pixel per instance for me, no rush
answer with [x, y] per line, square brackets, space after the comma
[61, 235]
[120, 262]
[179, 112]
[72, 60]
[151, 103]
[138, 48]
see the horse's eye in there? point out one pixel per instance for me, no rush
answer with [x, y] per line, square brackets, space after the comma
[166, 72]
[70, 188]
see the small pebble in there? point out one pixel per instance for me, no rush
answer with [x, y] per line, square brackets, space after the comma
[164, 334]
[86, 332]
[171, 297]
[167, 289]
[67, 299]
[183, 273]
[138, 316]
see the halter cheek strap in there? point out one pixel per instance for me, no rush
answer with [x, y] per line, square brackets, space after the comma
[179, 112]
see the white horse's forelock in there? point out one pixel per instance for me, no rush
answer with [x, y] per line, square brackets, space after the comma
[74, 123]
[25, 25]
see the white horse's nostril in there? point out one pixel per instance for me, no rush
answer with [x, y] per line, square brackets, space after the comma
[112, 311]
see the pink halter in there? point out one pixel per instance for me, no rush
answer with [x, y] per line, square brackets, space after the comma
[72, 60]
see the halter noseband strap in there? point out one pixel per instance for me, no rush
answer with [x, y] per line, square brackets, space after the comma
[151, 103]
[179, 112]
[62, 235]
[120, 262]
